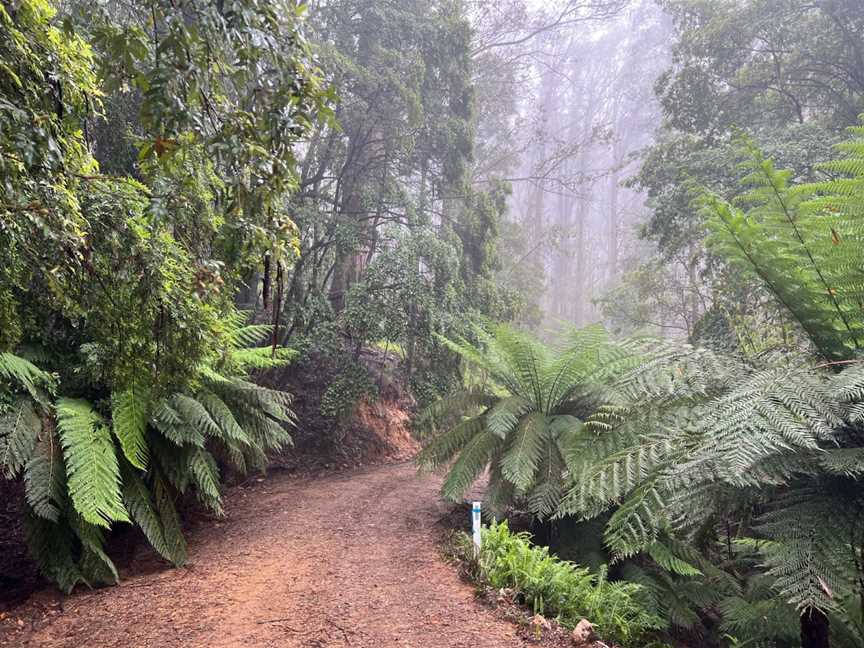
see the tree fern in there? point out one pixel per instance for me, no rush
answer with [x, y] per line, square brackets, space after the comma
[78, 481]
[772, 446]
[520, 419]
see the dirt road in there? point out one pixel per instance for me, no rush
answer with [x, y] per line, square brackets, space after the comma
[345, 560]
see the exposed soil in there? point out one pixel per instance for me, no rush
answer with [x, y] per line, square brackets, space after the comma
[343, 560]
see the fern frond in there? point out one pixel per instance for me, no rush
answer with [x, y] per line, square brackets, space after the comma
[262, 358]
[205, 475]
[442, 448]
[173, 427]
[520, 460]
[663, 555]
[19, 433]
[459, 403]
[503, 417]
[468, 467]
[44, 484]
[222, 415]
[172, 533]
[52, 547]
[91, 463]
[247, 336]
[24, 373]
[195, 415]
[129, 415]
[95, 565]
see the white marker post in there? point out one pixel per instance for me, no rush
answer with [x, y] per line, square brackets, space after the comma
[475, 526]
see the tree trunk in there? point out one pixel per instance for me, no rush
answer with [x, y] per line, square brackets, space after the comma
[814, 630]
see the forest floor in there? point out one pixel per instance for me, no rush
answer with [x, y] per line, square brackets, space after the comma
[341, 560]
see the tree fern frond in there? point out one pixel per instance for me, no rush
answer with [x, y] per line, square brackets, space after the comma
[471, 463]
[24, 373]
[663, 555]
[222, 415]
[637, 522]
[442, 448]
[173, 461]
[173, 427]
[195, 415]
[262, 357]
[137, 499]
[96, 566]
[503, 417]
[847, 462]
[44, 484]
[129, 415]
[52, 547]
[522, 456]
[91, 463]
[205, 475]
[19, 433]
[248, 335]
[172, 533]
[461, 402]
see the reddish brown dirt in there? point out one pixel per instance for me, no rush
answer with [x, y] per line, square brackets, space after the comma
[348, 560]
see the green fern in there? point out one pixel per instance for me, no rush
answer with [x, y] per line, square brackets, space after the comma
[524, 417]
[129, 417]
[23, 373]
[19, 434]
[139, 503]
[44, 484]
[770, 445]
[205, 475]
[91, 463]
[78, 481]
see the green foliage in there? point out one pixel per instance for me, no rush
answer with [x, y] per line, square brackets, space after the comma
[562, 590]
[124, 363]
[756, 459]
[341, 396]
[164, 447]
[524, 419]
[801, 243]
[129, 416]
[91, 464]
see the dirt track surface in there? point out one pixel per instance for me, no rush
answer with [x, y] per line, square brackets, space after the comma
[346, 560]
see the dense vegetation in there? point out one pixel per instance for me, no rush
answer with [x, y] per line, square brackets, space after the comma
[194, 192]
[123, 358]
[554, 588]
[182, 197]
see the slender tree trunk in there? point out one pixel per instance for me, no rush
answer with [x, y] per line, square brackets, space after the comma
[815, 630]
[612, 223]
[346, 271]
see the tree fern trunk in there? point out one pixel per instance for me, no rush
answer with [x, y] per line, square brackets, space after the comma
[814, 630]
